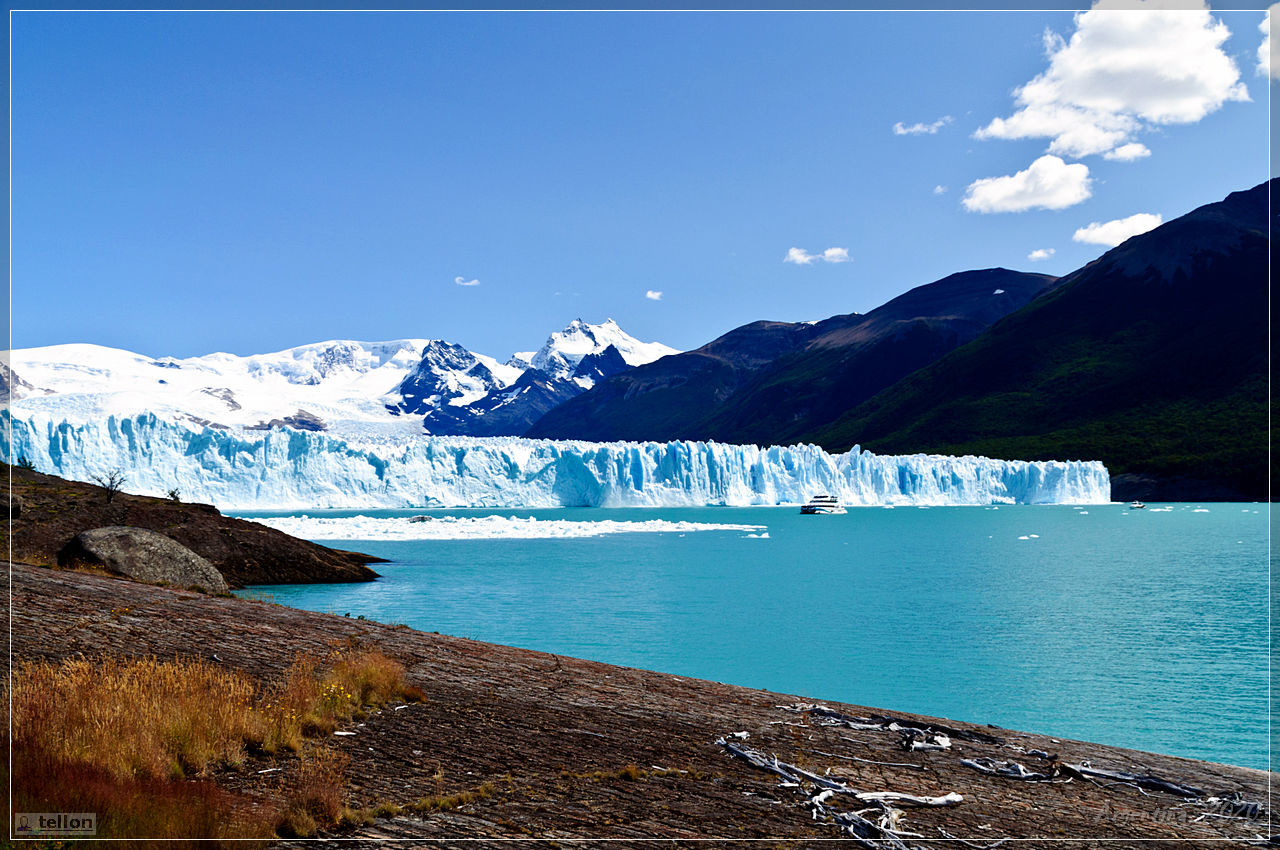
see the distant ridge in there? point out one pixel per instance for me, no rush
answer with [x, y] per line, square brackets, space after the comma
[770, 382]
[1152, 359]
[404, 386]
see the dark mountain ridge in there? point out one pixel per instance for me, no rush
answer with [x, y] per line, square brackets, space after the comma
[1152, 359]
[511, 410]
[669, 398]
[766, 381]
[846, 363]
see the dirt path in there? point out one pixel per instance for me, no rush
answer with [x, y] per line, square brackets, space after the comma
[556, 747]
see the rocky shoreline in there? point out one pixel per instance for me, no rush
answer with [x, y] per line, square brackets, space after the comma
[48, 513]
[558, 748]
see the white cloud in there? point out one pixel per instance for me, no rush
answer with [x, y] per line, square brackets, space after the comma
[1048, 183]
[901, 129]
[653, 294]
[461, 281]
[1128, 153]
[1122, 72]
[801, 257]
[1112, 233]
[1267, 64]
[939, 189]
[1041, 254]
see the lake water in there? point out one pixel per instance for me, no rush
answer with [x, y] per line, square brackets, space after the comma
[1138, 628]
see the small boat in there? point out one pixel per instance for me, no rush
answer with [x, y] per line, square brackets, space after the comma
[1136, 505]
[822, 504]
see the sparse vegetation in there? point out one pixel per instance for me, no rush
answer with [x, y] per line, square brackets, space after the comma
[112, 482]
[25, 462]
[632, 773]
[315, 798]
[174, 494]
[309, 702]
[453, 801]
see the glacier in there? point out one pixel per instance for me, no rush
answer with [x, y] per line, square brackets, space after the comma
[288, 469]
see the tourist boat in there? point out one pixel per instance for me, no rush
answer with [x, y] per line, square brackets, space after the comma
[822, 505]
[1135, 505]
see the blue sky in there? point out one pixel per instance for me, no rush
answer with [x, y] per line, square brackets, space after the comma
[184, 183]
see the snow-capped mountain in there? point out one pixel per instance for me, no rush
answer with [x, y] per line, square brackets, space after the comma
[564, 350]
[448, 374]
[339, 385]
[568, 364]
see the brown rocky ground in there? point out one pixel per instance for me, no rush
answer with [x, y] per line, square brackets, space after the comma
[564, 749]
[54, 510]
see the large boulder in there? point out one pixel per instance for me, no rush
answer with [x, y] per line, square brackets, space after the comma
[143, 555]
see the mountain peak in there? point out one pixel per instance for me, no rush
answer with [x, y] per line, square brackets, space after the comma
[564, 350]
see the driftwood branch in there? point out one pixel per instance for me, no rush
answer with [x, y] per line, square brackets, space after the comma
[883, 833]
[1153, 783]
[1010, 769]
[871, 761]
[824, 716]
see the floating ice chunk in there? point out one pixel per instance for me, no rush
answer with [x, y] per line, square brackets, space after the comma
[1024, 537]
[1033, 536]
[479, 527]
[764, 536]
[1200, 511]
[1083, 513]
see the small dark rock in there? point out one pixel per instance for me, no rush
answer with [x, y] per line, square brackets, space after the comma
[303, 420]
[143, 555]
[11, 503]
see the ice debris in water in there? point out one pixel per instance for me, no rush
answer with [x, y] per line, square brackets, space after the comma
[475, 528]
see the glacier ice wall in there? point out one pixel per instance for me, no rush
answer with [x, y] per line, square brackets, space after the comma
[289, 469]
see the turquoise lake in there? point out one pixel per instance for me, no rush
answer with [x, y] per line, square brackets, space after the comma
[1137, 628]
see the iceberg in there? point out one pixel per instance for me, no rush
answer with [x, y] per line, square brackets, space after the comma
[289, 469]
[492, 527]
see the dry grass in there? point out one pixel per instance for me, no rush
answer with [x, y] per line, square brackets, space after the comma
[117, 737]
[311, 703]
[132, 738]
[366, 816]
[315, 797]
[137, 718]
[453, 801]
[633, 773]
